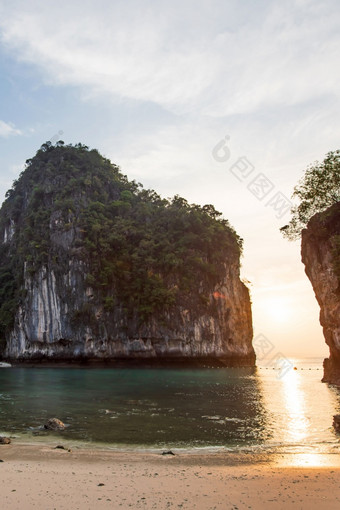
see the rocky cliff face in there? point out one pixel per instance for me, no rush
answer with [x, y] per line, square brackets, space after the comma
[70, 304]
[44, 326]
[321, 255]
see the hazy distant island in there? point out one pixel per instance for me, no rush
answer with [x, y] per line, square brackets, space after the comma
[95, 267]
[316, 219]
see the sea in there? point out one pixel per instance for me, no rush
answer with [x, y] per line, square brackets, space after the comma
[250, 410]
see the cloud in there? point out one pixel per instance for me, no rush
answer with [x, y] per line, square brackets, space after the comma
[217, 58]
[7, 130]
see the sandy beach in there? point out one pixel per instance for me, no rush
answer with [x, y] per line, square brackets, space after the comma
[42, 477]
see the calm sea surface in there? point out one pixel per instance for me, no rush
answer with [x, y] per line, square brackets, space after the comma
[240, 409]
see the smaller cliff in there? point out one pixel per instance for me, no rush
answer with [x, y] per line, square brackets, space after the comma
[320, 252]
[95, 267]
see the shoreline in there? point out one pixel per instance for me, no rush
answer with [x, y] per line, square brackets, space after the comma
[48, 478]
[137, 362]
[273, 455]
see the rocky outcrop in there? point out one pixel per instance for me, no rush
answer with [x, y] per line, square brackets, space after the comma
[336, 422]
[5, 440]
[47, 324]
[54, 424]
[320, 255]
[72, 277]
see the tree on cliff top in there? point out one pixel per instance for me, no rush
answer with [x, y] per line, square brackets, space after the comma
[318, 189]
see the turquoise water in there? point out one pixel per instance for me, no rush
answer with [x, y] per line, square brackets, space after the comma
[234, 408]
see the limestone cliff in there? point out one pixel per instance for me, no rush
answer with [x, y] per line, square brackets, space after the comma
[321, 257]
[93, 266]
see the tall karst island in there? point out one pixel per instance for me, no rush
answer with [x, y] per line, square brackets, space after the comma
[316, 219]
[321, 257]
[94, 267]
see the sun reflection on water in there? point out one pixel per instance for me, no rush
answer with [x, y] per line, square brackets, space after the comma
[297, 421]
[302, 428]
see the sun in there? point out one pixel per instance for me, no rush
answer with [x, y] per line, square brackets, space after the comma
[278, 309]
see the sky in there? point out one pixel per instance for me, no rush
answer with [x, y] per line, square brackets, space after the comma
[222, 101]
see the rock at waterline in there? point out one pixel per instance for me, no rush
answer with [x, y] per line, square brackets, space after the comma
[54, 424]
[5, 440]
[336, 422]
[169, 452]
[61, 447]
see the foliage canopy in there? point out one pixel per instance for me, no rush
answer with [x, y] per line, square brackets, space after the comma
[318, 189]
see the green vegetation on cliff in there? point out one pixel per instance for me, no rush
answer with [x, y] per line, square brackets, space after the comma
[317, 190]
[138, 250]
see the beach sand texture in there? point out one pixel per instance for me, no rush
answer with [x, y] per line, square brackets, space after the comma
[41, 477]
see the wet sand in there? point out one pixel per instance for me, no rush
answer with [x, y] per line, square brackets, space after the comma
[41, 477]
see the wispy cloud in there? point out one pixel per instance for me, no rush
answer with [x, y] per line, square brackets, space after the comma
[7, 130]
[214, 57]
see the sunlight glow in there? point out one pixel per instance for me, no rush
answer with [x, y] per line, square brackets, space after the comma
[311, 460]
[278, 309]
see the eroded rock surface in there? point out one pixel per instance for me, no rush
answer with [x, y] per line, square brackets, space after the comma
[320, 255]
[54, 424]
